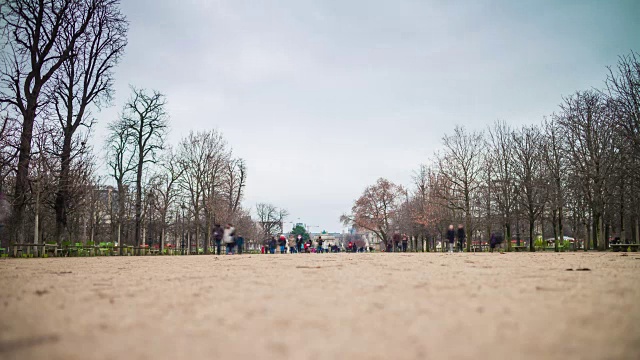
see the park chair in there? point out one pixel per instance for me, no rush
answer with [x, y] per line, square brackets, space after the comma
[79, 250]
[104, 248]
[3, 252]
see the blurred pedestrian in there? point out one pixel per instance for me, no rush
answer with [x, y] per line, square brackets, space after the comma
[292, 245]
[461, 237]
[218, 233]
[299, 242]
[283, 244]
[320, 241]
[405, 242]
[228, 238]
[272, 245]
[307, 246]
[396, 242]
[451, 236]
[239, 244]
[496, 239]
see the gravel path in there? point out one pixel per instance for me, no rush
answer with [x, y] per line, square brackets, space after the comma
[314, 306]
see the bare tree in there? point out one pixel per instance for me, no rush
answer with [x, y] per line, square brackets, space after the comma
[121, 162]
[203, 156]
[376, 209]
[31, 54]
[500, 154]
[528, 175]
[165, 189]
[270, 218]
[428, 212]
[461, 165]
[623, 88]
[586, 122]
[236, 177]
[554, 160]
[83, 80]
[146, 121]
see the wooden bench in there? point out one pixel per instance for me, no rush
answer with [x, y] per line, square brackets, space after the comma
[21, 248]
[624, 247]
[479, 247]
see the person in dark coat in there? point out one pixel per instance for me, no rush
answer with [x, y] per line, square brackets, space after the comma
[496, 239]
[461, 237]
[396, 241]
[239, 243]
[218, 232]
[405, 242]
[272, 245]
[282, 242]
[451, 236]
[299, 244]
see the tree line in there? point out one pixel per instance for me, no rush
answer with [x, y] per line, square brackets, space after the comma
[576, 173]
[57, 72]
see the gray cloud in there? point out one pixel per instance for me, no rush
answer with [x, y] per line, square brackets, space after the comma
[323, 97]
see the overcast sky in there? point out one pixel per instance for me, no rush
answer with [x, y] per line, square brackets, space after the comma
[324, 97]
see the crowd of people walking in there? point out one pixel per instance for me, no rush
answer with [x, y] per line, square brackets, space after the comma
[233, 244]
[227, 235]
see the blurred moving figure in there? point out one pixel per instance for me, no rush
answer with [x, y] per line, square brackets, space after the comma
[451, 236]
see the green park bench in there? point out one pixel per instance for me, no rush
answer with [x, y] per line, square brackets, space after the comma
[624, 247]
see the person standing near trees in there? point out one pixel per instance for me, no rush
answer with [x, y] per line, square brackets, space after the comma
[218, 232]
[239, 244]
[283, 244]
[292, 245]
[396, 242]
[299, 243]
[451, 236]
[272, 245]
[405, 242]
[461, 237]
[496, 239]
[228, 238]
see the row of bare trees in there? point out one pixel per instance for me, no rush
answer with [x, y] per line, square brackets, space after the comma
[181, 192]
[577, 173]
[56, 73]
[56, 70]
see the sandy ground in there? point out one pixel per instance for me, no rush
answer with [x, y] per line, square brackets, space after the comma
[313, 306]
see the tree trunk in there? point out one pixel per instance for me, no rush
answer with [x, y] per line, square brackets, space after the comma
[37, 220]
[121, 202]
[467, 225]
[62, 195]
[560, 226]
[138, 215]
[594, 231]
[22, 174]
[555, 231]
[587, 239]
[598, 233]
[532, 247]
[623, 235]
[162, 234]
[507, 235]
